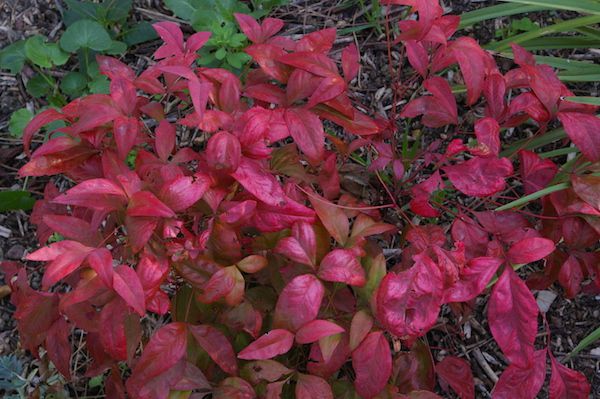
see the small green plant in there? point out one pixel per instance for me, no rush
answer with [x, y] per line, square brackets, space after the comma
[225, 48]
[516, 26]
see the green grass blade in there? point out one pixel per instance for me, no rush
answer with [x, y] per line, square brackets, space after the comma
[561, 63]
[584, 343]
[584, 100]
[582, 6]
[500, 10]
[560, 42]
[563, 26]
[570, 76]
[532, 197]
[530, 144]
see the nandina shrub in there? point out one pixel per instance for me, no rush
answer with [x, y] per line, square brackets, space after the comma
[265, 271]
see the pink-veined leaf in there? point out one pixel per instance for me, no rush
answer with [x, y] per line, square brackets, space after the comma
[127, 284]
[312, 387]
[566, 383]
[299, 302]
[144, 203]
[260, 183]
[307, 131]
[301, 246]
[273, 343]
[342, 266]
[583, 131]
[529, 250]
[480, 177]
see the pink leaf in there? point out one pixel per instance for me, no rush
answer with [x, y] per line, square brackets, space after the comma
[536, 172]
[512, 315]
[472, 279]
[457, 373]
[439, 109]
[350, 62]
[487, 132]
[299, 302]
[301, 246]
[271, 344]
[471, 58]
[144, 203]
[165, 140]
[315, 330]
[312, 387]
[260, 183]
[217, 346]
[361, 325]
[372, 363]
[529, 250]
[342, 265]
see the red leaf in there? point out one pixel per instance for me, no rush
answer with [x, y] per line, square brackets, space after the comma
[266, 55]
[408, 303]
[307, 131]
[144, 203]
[102, 262]
[183, 192]
[217, 346]
[59, 347]
[226, 283]
[73, 228]
[361, 325]
[439, 109]
[472, 279]
[571, 276]
[512, 315]
[372, 362]
[471, 58]
[480, 177]
[43, 118]
[299, 302]
[522, 383]
[342, 265]
[487, 132]
[583, 131]
[101, 194]
[165, 140]
[165, 350]
[529, 250]
[127, 284]
[260, 183]
[250, 27]
[223, 152]
[457, 373]
[536, 172]
[315, 330]
[333, 217]
[350, 62]
[65, 256]
[312, 387]
[417, 56]
[566, 383]
[172, 37]
[271, 344]
[587, 187]
[319, 41]
[301, 246]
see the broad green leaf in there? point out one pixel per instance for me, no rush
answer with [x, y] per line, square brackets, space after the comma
[18, 120]
[78, 10]
[13, 57]
[44, 54]
[40, 85]
[85, 33]
[116, 10]
[74, 83]
[582, 6]
[116, 47]
[237, 60]
[220, 53]
[99, 85]
[496, 11]
[15, 200]
[181, 8]
[139, 33]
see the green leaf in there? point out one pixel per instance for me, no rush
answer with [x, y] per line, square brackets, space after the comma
[587, 341]
[492, 12]
[181, 8]
[563, 26]
[220, 53]
[582, 6]
[237, 60]
[584, 100]
[532, 197]
[15, 200]
[116, 10]
[116, 47]
[13, 57]
[78, 10]
[85, 33]
[44, 54]
[73, 84]
[40, 85]
[559, 42]
[18, 120]
[99, 85]
[139, 33]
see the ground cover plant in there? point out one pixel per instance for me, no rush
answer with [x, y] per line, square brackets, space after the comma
[270, 277]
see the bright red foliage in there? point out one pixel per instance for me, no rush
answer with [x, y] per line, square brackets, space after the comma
[266, 252]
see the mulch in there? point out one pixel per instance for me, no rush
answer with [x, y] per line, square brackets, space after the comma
[569, 320]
